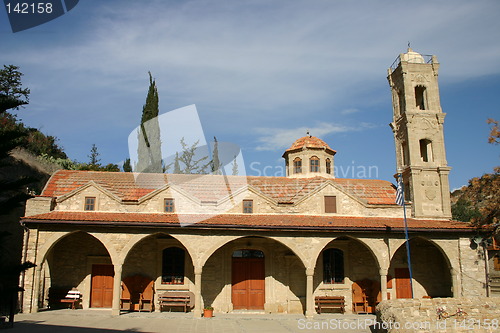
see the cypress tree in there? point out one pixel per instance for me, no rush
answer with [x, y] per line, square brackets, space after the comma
[235, 167]
[215, 159]
[149, 148]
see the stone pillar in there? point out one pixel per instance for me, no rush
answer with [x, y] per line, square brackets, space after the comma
[383, 283]
[309, 293]
[117, 290]
[455, 280]
[36, 288]
[197, 291]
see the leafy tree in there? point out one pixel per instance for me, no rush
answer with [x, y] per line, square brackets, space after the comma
[189, 163]
[12, 93]
[127, 167]
[494, 136]
[12, 189]
[149, 148]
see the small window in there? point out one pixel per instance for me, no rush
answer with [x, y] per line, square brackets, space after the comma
[420, 99]
[297, 165]
[328, 166]
[330, 204]
[169, 206]
[173, 266]
[333, 266]
[314, 162]
[248, 206]
[426, 150]
[89, 203]
[248, 254]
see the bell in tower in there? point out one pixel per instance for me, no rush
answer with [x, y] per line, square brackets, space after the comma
[418, 134]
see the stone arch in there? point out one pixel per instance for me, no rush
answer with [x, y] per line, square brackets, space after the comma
[54, 239]
[138, 238]
[67, 261]
[433, 271]
[376, 255]
[283, 278]
[222, 242]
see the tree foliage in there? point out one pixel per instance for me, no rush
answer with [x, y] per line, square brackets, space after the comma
[494, 136]
[190, 161]
[127, 167]
[478, 202]
[12, 93]
[149, 146]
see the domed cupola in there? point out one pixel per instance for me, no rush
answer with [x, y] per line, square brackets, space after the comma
[309, 156]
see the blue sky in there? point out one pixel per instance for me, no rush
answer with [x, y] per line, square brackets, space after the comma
[260, 74]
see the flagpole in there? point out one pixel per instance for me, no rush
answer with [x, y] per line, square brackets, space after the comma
[400, 183]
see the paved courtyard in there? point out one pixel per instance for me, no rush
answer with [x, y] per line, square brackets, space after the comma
[81, 321]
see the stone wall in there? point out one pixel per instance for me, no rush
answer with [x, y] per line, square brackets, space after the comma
[480, 314]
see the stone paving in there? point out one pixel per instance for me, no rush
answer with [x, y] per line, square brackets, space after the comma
[83, 321]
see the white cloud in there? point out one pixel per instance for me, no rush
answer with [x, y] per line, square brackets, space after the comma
[279, 138]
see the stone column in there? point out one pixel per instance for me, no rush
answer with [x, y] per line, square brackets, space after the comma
[197, 291]
[117, 290]
[383, 283]
[36, 288]
[309, 293]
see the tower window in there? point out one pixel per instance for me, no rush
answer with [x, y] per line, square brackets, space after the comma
[89, 203]
[297, 165]
[420, 98]
[330, 204]
[248, 206]
[328, 166]
[333, 266]
[314, 164]
[169, 206]
[426, 150]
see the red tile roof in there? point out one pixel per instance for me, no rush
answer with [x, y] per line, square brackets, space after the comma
[132, 187]
[310, 142]
[317, 223]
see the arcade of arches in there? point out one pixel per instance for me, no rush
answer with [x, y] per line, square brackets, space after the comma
[269, 273]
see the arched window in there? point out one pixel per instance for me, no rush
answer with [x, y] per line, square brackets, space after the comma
[420, 98]
[333, 266]
[426, 150]
[173, 266]
[297, 165]
[314, 164]
[328, 166]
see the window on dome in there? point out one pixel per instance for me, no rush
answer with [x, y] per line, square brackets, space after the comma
[297, 165]
[314, 164]
[328, 166]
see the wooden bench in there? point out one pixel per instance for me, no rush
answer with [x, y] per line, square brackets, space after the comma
[176, 299]
[60, 296]
[330, 302]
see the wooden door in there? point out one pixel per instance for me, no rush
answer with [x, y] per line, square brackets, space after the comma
[403, 285]
[248, 283]
[101, 295]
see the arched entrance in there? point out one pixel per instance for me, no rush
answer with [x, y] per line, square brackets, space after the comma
[77, 261]
[155, 264]
[248, 274]
[254, 273]
[430, 268]
[346, 267]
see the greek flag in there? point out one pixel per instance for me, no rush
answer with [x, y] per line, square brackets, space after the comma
[399, 193]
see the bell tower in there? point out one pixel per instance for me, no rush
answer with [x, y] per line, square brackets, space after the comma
[418, 134]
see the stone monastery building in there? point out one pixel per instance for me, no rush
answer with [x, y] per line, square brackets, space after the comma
[265, 244]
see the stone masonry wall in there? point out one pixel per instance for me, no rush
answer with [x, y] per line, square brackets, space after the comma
[480, 314]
